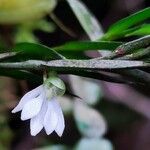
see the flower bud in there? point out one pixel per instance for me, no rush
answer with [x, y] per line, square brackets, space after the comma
[54, 86]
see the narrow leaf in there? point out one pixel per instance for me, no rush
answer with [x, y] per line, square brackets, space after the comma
[126, 23]
[86, 19]
[35, 51]
[143, 30]
[88, 45]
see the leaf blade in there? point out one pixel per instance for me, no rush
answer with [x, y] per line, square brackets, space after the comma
[143, 30]
[87, 20]
[126, 23]
[35, 51]
[88, 45]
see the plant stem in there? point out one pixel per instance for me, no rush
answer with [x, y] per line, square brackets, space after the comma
[128, 47]
[60, 24]
[142, 54]
[75, 64]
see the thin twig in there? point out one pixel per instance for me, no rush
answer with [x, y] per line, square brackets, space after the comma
[128, 48]
[142, 54]
[60, 24]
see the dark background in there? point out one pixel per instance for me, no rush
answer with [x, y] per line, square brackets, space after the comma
[128, 122]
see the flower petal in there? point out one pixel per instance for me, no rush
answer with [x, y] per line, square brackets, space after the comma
[50, 119]
[61, 122]
[32, 108]
[36, 123]
[27, 97]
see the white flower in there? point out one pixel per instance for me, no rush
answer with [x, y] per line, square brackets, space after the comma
[43, 112]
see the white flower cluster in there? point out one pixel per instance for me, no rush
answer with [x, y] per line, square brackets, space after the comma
[42, 110]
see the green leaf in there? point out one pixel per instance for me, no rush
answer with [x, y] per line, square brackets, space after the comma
[73, 54]
[87, 20]
[35, 51]
[126, 23]
[143, 30]
[87, 45]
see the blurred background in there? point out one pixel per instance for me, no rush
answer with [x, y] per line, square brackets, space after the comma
[118, 115]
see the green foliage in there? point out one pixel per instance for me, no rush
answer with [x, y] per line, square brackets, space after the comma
[123, 28]
[115, 30]
[88, 45]
[142, 30]
[35, 51]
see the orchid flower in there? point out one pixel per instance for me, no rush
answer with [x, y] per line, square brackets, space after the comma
[40, 105]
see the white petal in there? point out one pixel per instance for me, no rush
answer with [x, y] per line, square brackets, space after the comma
[50, 119]
[36, 123]
[61, 123]
[32, 108]
[27, 97]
